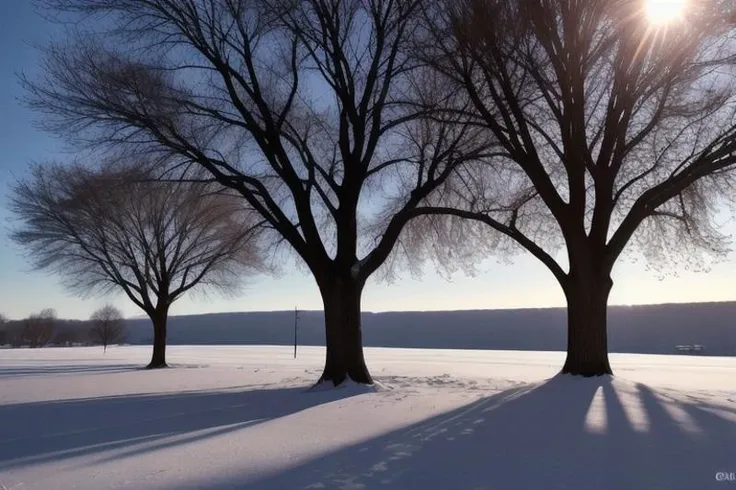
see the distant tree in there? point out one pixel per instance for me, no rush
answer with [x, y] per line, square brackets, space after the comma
[108, 326]
[113, 228]
[3, 333]
[609, 127]
[38, 329]
[13, 333]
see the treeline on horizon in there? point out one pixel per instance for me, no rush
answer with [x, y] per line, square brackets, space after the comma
[105, 327]
[641, 329]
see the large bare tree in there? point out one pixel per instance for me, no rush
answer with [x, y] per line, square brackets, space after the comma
[310, 110]
[610, 125]
[108, 326]
[115, 229]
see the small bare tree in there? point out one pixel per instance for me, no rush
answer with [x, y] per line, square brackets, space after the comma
[309, 110]
[38, 329]
[114, 228]
[606, 124]
[108, 326]
[3, 334]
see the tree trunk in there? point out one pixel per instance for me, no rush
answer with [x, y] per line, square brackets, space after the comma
[344, 333]
[587, 332]
[159, 319]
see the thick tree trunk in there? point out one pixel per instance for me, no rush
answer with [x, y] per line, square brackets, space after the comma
[344, 333]
[159, 319]
[587, 332]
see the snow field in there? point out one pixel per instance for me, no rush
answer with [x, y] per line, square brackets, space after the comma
[243, 417]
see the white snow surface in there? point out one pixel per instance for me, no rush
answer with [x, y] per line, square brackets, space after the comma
[244, 417]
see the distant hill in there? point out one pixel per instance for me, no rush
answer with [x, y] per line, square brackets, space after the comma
[654, 329]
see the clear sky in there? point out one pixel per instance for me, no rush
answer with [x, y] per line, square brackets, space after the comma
[526, 283]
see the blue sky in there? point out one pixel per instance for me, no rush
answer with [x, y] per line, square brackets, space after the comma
[525, 284]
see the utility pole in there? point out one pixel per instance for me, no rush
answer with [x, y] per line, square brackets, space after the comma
[296, 328]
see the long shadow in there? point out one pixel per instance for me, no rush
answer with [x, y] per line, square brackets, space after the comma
[62, 369]
[565, 433]
[32, 433]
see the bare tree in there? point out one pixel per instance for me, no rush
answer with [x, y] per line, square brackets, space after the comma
[4, 338]
[606, 123]
[309, 110]
[108, 326]
[111, 229]
[38, 329]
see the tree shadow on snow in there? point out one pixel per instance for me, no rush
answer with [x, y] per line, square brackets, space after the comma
[62, 369]
[564, 433]
[48, 431]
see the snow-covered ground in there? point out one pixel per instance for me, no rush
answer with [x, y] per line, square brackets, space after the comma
[240, 417]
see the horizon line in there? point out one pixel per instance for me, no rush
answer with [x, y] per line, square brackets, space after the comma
[526, 308]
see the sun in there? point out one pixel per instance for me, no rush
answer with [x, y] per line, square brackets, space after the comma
[664, 11]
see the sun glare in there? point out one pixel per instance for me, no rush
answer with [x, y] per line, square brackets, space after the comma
[664, 11]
